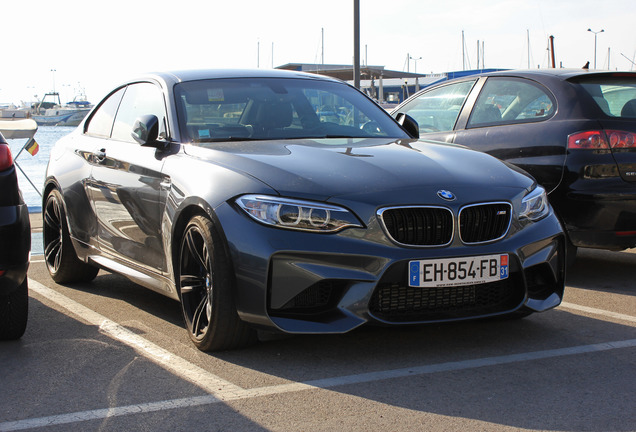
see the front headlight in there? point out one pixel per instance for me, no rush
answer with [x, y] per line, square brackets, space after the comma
[535, 206]
[297, 214]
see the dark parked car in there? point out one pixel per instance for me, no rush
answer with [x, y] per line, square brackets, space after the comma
[15, 250]
[573, 130]
[232, 192]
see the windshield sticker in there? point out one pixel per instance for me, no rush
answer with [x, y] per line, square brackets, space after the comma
[204, 133]
[215, 95]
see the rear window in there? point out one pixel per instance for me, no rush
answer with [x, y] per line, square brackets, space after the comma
[615, 96]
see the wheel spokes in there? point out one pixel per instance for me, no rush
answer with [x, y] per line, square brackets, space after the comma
[201, 319]
[52, 254]
[51, 221]
[191, 283]
[195, 282]
[200, 256]
[53, 235]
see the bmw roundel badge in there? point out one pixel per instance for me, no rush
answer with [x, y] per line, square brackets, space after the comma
[446, 195]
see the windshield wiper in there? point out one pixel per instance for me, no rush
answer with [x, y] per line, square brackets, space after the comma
[233, 138]
[227, 139]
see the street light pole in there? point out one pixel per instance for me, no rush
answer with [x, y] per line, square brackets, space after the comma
[356, 43]
[595, 33]
[53, 72]
[416, 59]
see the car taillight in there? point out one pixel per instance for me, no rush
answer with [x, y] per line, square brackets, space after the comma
[599, 139]
[6, 160]
[619, 139]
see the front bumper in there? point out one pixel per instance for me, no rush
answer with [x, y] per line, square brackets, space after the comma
[315, 283]
[15, 246]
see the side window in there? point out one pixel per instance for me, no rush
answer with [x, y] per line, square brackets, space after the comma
[101, 122]
[139, 99]
[511, 100]
[438, 109]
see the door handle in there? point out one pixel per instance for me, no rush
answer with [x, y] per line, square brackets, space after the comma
[100, 155]
[165, 183]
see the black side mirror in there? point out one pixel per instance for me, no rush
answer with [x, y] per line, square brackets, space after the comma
[409, 124]
[146, 130]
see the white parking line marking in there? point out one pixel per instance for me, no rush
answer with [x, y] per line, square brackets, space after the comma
[600, 312]
[440, 367]
[101, 414]
[211, 383]
[315, 384]
[220, 390]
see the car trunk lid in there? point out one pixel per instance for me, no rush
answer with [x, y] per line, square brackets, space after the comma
[615, 95]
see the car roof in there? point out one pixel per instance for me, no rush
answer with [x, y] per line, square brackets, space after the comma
[174, 77]
[564, 74]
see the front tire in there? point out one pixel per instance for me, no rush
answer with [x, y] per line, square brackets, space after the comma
[206, 288]
[61, 260]
[14, 311]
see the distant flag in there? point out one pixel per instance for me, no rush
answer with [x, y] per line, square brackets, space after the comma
[32, 147]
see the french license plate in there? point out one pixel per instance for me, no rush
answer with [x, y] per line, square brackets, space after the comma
[458, 271]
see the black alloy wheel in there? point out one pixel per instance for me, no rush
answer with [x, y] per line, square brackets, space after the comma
[60, 257]
[206, 290]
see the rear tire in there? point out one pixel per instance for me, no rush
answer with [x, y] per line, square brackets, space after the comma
[59, 254]
[206, 288]
[14, 312]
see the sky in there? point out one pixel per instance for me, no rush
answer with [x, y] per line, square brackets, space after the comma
[75, 46]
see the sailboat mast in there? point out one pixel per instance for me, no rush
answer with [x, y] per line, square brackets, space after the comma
[528, 31]
[552, 52]
[463, 53]
[478, 56]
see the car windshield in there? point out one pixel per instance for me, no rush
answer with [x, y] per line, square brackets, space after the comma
[615, 96]
[274, 108]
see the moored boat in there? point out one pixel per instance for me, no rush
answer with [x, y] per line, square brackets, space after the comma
[56, 114]
[16, 128]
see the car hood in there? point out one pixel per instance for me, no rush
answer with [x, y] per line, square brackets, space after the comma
[331, 168]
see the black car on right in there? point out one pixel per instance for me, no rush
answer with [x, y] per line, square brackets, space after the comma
[573, 130]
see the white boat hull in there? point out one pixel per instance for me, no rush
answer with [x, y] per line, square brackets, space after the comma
[16, 129]
[72, 118]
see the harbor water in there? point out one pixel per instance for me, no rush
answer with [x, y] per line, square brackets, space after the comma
[32, 169]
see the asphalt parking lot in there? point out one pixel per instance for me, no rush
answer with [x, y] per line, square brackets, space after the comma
[113, 356]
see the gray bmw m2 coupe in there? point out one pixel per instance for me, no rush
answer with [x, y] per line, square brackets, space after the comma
[292, 202]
